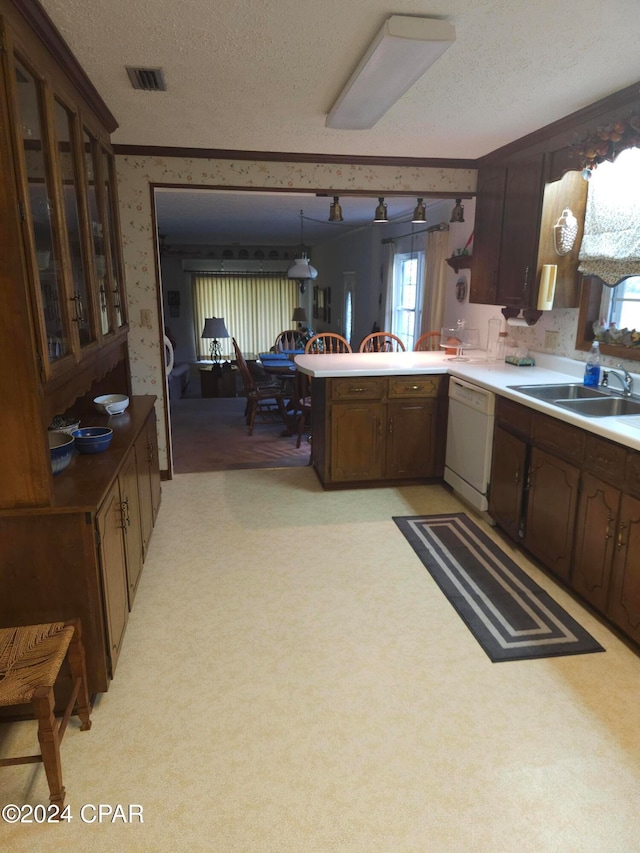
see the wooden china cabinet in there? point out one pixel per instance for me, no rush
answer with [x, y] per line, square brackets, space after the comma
[72, 545]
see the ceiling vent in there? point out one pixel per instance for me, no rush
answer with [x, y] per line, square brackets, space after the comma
[149, 79]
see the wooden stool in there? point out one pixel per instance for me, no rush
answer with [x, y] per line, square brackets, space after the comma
[30, 660]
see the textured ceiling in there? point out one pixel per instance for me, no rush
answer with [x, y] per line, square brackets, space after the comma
[261, 76]
[249, 75]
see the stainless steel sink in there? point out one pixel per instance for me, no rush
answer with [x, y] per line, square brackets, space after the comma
[601, 407]
[551, 393]
[590, 402]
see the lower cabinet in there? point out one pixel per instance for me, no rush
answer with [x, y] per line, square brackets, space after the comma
[379, 429]
[82, 556]
[577, 509]
[508, 473]
[552, 498]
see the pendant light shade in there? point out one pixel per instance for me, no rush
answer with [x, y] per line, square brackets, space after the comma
[420, 212]
[457, 214]
[301, 269]
[335, 211]
[381, 211]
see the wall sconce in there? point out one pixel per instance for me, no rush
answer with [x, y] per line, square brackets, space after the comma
[214, 327]
[381, 211]
[335, 211]
[457, 214]
[420, 212]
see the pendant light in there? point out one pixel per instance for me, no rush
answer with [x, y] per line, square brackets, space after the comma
[335, 211]
[420, 212]
[301, 269]
[457, 214]
[381, 211]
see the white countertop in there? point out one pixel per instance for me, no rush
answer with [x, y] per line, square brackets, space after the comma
[495, 376]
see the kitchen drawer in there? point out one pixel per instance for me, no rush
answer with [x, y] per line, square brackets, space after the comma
[358, 388]
[606, 459]
[514, 417]
[414, 386]
[563, 439]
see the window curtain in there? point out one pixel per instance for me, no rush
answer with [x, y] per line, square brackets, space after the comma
[610, 247]
[388, 265]
[435, 279]
[255, 308]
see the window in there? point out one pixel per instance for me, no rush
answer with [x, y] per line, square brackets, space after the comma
[621, 304]
[407, 277]
[348, 314]
[255, 308]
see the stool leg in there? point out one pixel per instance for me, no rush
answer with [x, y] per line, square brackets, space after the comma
[75, 654]
[43, 703]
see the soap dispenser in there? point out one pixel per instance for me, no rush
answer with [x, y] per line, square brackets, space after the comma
[592, 367]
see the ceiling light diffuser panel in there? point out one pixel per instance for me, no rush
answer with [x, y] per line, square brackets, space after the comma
[404, 48]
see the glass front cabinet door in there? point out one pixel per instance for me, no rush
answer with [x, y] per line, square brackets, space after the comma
[67, 187]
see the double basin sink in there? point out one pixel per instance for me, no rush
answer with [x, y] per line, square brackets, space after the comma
[583, 400]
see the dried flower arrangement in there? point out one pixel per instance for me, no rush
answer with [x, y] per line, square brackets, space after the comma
[606, 142]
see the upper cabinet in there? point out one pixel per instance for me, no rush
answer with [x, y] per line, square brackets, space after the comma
[64, 322]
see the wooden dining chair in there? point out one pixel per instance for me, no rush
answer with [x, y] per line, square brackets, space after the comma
[429, 342]
[261, 398]
[286, 340]
[382, 342]
[327, 343]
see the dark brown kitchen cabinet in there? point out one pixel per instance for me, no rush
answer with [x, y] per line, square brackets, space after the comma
[378, 429]
[552, 499]
[624, 601]
[596, 533]
[487, 235]
[508, 474]
[146, 450]
[517, 286]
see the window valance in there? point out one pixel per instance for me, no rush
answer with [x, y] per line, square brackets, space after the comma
[610, 246]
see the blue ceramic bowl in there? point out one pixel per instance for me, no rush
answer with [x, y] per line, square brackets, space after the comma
[61, 449]
[93, 439]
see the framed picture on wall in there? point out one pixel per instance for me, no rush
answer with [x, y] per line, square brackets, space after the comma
[173, 297]
[316, 290]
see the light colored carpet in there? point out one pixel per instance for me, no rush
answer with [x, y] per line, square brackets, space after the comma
[292, 681]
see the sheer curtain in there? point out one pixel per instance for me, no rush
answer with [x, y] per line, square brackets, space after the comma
[255, 308]
[435, 279]
[388, 265]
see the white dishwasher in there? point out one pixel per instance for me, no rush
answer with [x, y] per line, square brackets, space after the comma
[469, 441]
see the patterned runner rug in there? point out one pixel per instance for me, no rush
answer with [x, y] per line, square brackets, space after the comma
[509, 615]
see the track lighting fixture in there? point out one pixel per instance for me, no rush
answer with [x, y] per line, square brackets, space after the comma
[381, 211]
[335, 211]
[457, 214]
[420, 212]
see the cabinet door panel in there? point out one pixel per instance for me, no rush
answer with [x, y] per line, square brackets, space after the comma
[114, 572]
[519, 246]
[624, 602]
[131, 524]
[486, 246]
[508, 472]
[410, 439]
[595, 539]
[551, 510]
[356, 441]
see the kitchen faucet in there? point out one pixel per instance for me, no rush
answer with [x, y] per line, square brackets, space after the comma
[626, 379]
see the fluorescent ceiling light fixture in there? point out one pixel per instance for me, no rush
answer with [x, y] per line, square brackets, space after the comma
[398, 56]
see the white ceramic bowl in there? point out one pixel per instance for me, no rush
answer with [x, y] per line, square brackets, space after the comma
[61, 447]
[111, 404]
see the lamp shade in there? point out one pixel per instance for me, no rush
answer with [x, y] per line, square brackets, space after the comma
[299, 315]
[214, 327]
[302, 269]
[399, 55]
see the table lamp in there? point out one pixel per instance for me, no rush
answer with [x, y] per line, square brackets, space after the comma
[215, 328]
[300, 317]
